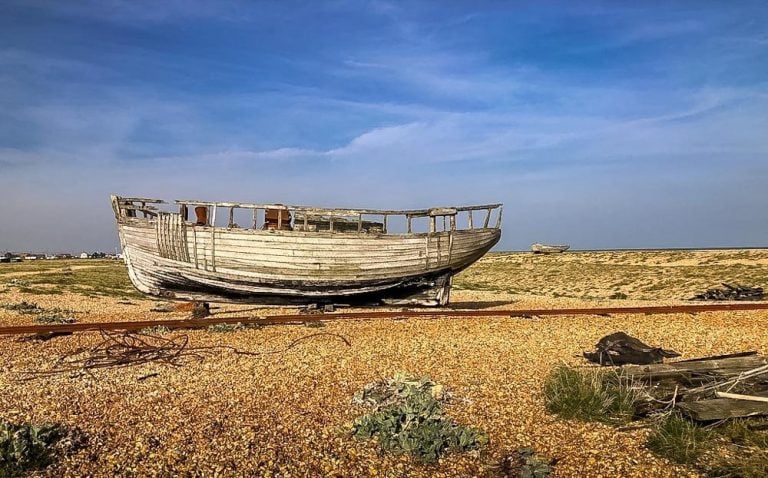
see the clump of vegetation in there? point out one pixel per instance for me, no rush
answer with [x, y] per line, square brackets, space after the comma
[618, 295]
[26, 447]
[101, 279]
[23, 307]
[590, 395]
[51, 316]
[54, 318]
[222, 328]
[163, 307]
[750, 437]
[750, 432]
[526, 463]
[155, 330]
[40, 291]
[407, 417]
[678, 439]
[748, 464]
[233, 327]
[395, 390]
[17, 283]
[609, 397]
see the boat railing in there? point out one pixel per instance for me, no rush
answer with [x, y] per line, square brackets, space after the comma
[280, 216]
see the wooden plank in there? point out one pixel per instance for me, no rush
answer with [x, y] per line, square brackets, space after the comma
[213, 238]
[723, 367]
[722, 408]
[442, 211]
[336, 211]
[144, 200]
[739, 396]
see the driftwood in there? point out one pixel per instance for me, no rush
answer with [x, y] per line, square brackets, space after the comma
[739, 396]
[619, 348]
[722, 408]
[705, 389]
[703, 370]
[731, 292]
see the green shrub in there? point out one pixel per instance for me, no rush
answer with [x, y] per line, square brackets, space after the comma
[589, 395]
[54, 317]
[526, 463]
[678, 439]
[26, 447]
[408, 418]
[23, 307]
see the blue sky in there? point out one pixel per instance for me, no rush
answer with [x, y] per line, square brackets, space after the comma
[599, 124]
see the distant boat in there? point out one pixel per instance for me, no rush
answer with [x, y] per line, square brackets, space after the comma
[297, 254]
[549, 248]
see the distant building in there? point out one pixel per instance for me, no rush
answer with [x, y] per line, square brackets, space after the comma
[84, 255]
[10, 257]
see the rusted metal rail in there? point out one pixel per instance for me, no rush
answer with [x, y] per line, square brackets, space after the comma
[303, 318]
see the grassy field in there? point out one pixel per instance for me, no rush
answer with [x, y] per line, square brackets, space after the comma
[287, 408]
[647, 275]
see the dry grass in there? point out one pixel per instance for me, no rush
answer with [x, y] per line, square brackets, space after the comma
[648, 275]
[290, 413]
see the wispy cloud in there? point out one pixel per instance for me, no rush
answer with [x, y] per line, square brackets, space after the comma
[140, 11]
[385, 104]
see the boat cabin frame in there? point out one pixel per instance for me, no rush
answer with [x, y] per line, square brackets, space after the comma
[279, 216]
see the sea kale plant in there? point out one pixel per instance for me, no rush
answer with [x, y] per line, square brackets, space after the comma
[26, 447]
[407, 417]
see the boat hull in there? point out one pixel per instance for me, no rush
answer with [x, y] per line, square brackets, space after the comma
[549, 249]
[169, 258]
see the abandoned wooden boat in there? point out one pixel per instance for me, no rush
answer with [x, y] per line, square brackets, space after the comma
[548, 248]
[296, 254]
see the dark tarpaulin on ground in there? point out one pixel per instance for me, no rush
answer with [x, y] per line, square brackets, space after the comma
[620, 348]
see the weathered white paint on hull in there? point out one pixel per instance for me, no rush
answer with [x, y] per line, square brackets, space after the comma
[167, 257]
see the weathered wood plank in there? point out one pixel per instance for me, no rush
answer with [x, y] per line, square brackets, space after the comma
[724, 367]
[722, 408]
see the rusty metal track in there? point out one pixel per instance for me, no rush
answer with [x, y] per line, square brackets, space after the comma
[303, 318]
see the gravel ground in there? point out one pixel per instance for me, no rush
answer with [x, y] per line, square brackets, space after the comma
[289, 413]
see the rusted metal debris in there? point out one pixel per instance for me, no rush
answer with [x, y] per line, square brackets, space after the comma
[304, 318]
[123, 349]
[120, 350]
[731, 292]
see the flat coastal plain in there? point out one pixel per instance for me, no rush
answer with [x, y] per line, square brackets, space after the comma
[287, 410]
